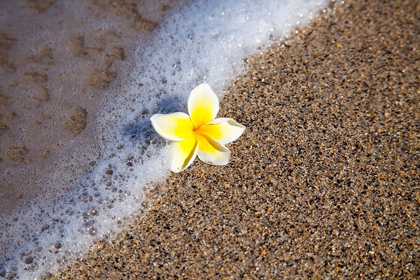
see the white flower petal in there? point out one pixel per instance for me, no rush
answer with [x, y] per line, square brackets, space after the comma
[223, 130]
[212, 152]
[203, 105]
[175, 126]
[183, 153]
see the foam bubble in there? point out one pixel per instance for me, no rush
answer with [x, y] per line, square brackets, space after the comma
[82, 110]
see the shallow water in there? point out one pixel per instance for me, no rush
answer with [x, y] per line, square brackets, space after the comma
[79, 84]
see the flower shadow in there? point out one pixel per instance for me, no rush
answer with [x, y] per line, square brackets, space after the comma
[140, 131]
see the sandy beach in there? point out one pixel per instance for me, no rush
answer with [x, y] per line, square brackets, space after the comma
[324, 183]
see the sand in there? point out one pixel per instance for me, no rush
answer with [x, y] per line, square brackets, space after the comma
[324, 183]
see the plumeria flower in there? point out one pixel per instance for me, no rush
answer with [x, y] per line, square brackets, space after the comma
[200, 133]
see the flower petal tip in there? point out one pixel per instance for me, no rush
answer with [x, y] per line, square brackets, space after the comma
[175, 126]
[184, 153]
[203, 105]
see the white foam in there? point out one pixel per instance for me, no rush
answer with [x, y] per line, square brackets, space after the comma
[77, 203]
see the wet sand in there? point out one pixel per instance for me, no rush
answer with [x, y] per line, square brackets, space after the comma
[324, 183]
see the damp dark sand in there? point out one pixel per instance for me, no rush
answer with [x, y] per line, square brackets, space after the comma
[325, 180]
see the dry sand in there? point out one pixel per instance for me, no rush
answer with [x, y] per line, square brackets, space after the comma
[325, 180]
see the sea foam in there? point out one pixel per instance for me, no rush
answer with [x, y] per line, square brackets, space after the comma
[88, 187]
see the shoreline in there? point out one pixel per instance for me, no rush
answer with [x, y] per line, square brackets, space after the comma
[323, 183]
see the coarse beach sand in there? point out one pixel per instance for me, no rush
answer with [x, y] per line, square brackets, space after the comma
[324, 183]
